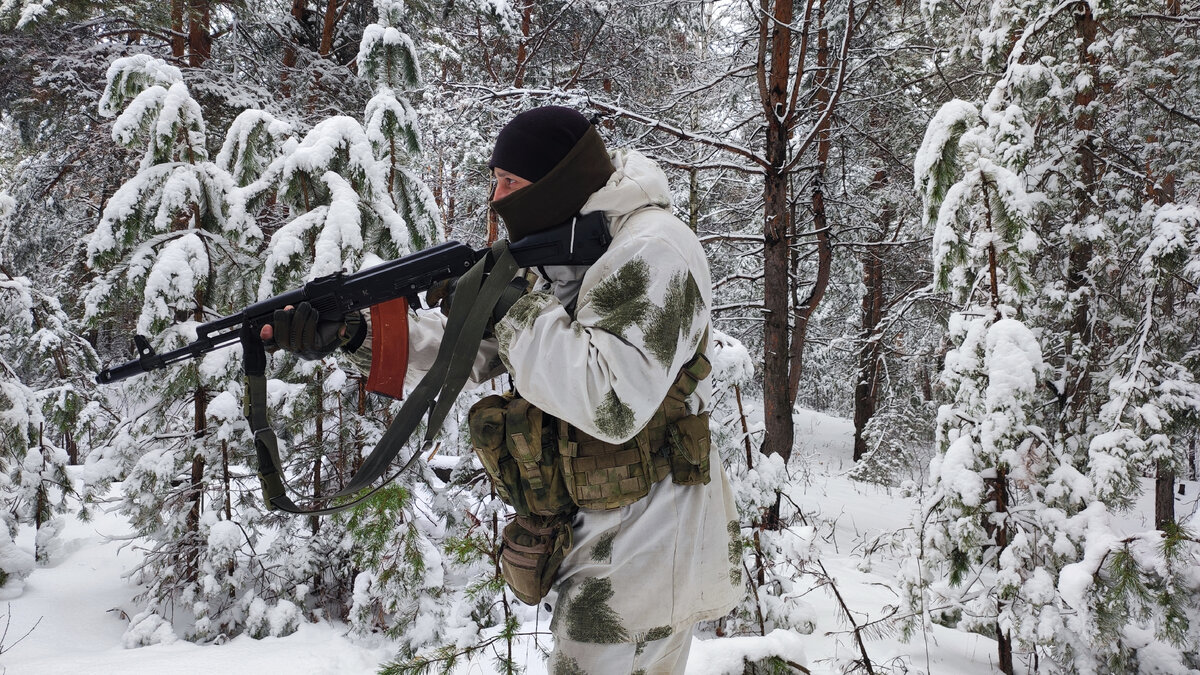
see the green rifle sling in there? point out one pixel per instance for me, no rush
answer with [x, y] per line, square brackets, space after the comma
[475, 297]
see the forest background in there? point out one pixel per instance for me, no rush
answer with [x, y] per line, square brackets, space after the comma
[973, 228]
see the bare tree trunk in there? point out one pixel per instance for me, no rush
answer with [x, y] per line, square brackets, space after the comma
[199, 35]
[1000, 534]
[1164, 479]
[178, 30]
[777, 408]
[523, 46]
[328, 26]
[866, 387]
[227, 478]
[805, 309]
[291, 54]
[1078, 382]
[318, 447]
[196, 488]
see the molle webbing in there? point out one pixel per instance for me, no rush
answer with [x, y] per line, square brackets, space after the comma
[604, 475]
[542, 465]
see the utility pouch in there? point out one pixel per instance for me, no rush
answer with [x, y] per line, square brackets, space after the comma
[516, 444]
[486, 421]
[602, 475]
[530, 440]
[690, 442]
[531, 552]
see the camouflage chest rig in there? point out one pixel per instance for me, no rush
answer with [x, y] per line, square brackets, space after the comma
[547, 469]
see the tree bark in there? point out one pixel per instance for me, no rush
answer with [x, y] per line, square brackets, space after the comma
[199, 35]
[866, 387]
[178, 30]
[1164, 193]
[328, 27]
[1164, 495]
[999, 532]
[805, 309]
[196, 487]
[291, 54]
[523, 46]
[777, 408]
[1078, 381]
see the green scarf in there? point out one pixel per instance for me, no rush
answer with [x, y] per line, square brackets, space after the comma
[559, 194]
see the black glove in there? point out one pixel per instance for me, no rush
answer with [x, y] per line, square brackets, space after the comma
[442, 294]
[300, 330]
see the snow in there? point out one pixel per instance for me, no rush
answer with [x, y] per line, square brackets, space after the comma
[135, 72]
[1176, 227]
[948, 121]
[319, 147]
[83, 592]
[181, 265]
[342, 231]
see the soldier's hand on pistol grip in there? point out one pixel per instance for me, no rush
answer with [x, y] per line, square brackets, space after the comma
[442, 295]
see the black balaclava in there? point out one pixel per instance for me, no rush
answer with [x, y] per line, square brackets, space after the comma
[559, 151]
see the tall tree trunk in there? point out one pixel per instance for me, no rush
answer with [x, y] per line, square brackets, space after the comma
[196, 487]
[777, 407]
[319, 447]
[523, 46]
[866, 386]
[1164, 193]
[199, 35]
[805, 309]
[1000, 535]
[179, 34]
[291, 53]
[329, 26]
[1078, 381]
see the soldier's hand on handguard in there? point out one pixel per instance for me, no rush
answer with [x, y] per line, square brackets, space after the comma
[301, 330]
[442, 296]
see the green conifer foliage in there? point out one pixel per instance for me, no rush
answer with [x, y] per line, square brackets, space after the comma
[47, 407]
[176, 240]
[387, 60]
[1103, 301]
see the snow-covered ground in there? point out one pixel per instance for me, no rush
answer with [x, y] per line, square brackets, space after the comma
[73, 613]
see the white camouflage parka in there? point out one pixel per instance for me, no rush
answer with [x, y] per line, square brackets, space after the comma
[600, 347]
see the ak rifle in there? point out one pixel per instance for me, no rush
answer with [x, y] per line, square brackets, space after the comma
[579, 241]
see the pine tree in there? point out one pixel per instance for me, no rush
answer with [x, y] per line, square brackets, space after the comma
[983, 529]
[176, 239]
[1118, 405]
[353, 201]
[52, 413]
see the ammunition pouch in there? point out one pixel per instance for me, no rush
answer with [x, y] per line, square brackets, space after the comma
[543, 466]
[547, 469]
[516, 444]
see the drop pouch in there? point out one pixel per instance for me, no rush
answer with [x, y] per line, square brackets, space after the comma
[531, 551]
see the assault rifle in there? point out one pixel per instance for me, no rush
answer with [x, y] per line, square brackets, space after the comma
[580, 241]
[482, 274]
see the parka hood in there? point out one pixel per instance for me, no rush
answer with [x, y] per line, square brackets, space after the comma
[636, 183]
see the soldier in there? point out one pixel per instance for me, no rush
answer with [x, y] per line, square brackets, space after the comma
[622, 503]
